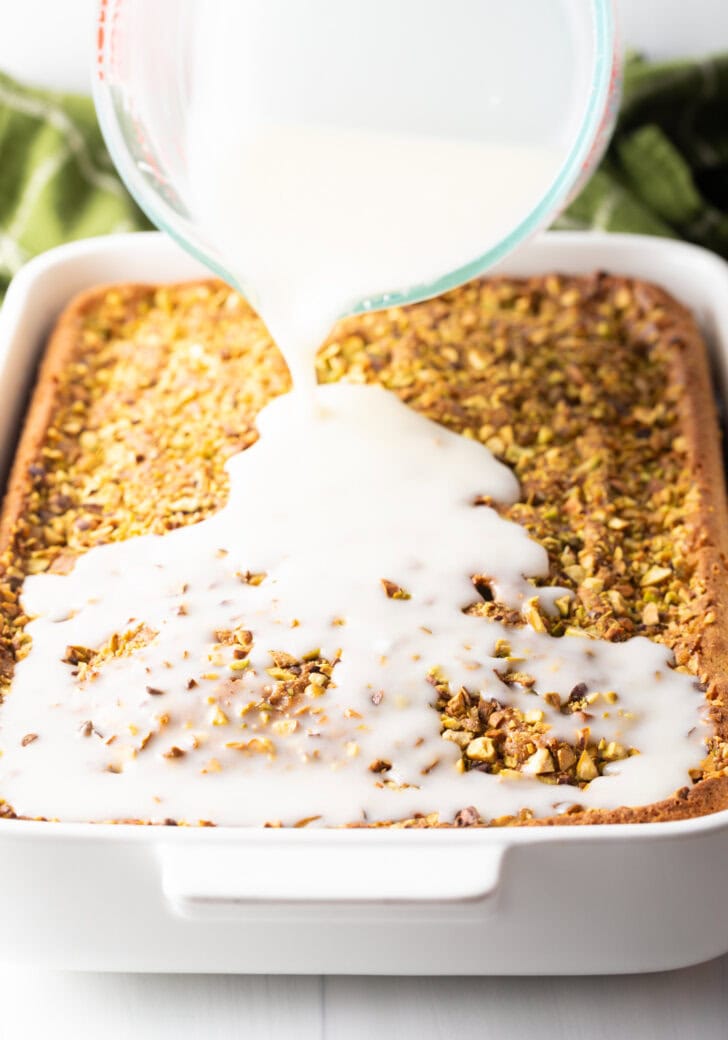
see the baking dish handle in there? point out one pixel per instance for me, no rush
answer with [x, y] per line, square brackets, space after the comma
[205, 882]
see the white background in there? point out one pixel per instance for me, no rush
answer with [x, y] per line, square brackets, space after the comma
[48, 42]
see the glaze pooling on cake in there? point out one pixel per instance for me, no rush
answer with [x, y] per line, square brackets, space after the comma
[372, 576]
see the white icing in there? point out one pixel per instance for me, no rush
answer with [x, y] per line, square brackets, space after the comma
[326, 504]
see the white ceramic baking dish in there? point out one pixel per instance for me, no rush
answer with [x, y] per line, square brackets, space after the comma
[518, 901]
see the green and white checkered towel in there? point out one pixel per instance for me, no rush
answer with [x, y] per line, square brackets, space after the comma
[57, 182]
[666, 171]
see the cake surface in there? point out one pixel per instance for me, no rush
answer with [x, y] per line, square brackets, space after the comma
[595, 391]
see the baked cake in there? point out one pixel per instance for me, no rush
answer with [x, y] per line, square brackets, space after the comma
[594, 390]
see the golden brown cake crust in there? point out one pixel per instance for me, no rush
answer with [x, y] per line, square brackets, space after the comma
[623, 383]
[60, 351]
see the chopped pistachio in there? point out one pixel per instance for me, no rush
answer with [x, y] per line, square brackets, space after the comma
[655, 576]
[482, 749]
[586, 770]
[393, 590]
[540, 762]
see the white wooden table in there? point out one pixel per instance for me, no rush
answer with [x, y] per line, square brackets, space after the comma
[684, 1005]
[46, 41]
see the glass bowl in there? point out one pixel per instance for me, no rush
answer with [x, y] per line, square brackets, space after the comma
[545, 74]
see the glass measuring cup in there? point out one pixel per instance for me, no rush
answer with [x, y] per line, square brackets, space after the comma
[543, 74]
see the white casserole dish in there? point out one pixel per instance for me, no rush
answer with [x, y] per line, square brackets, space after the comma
[577, 900]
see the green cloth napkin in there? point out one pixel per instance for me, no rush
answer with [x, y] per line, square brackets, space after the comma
[57, 182]
[665, 173]
[666, 169]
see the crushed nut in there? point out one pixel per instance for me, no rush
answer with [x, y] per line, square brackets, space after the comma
[393, 590]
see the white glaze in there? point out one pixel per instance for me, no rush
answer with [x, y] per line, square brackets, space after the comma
[327, 507]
